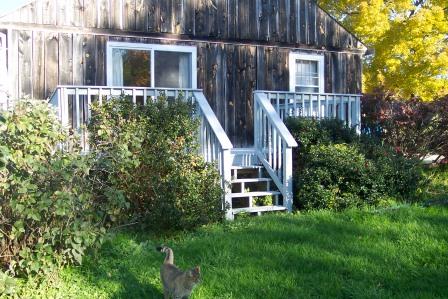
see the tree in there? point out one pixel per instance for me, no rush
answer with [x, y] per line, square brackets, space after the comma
[409, 39]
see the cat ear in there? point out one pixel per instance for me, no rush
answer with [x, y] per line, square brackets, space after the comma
[197, 269]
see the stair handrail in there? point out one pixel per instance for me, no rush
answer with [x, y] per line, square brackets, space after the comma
[274, 144]
[215, 146]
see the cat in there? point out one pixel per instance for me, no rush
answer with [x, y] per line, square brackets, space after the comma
[177, 284]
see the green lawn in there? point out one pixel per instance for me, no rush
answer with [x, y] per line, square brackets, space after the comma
[392, 253]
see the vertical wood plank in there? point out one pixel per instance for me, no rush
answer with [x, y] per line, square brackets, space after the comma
[129, 15]
[25, 64]
[103, 17]
[89, 54]
[78, 59]
[142, 15]
[264, 20]
[49, 12]
[117, 14]
[51, 62]
[312, 7]
[232, 15]
[243, 20]
[231, 56]
[38, 66]
[166, 8]
[190, 13]
[65, 59]
[154, 19]
[284, 20]
[303, 11]
[91, 13]
[200, 18]
[179, 16]
[100, 60]
[222, 19]
[274, 20]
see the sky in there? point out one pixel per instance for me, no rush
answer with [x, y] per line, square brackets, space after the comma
[9, 5]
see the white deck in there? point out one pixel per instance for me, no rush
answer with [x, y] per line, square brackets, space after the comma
[271, 157]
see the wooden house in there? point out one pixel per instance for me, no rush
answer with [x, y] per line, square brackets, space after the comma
[248, 64]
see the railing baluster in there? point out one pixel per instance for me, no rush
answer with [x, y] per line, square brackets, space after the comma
[319, 108]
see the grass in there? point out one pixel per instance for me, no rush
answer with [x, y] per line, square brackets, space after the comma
[391, 253]
[435, 190]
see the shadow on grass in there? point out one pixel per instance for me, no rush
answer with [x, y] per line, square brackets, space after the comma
[395, 254]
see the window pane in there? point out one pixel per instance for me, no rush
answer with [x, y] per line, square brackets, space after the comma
[172, 69]
[307, 76]
[131, 67]
[307, 89]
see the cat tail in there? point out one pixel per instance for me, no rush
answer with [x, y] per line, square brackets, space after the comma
[169, 257]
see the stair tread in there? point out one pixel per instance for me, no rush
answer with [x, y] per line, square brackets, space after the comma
[251, 180]
[259, 209]
[255, 193]
[247, 167]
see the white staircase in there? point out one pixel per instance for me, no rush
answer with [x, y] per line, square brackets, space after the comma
[255, 180]
[252, 189]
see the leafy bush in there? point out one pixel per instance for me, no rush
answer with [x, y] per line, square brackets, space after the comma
[401, 175]
[337, 176]
[414, 127]
[150, 152]
[49, 213]
[336, 169]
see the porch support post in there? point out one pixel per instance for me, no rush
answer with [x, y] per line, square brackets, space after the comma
[358, 114]
[63, 102]
[287, 178]
[226, 178]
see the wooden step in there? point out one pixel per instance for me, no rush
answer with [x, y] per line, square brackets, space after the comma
[254, 194]
[247, 167]
[254, 180]
[259, 209]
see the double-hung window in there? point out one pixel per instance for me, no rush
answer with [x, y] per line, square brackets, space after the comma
[147, 65]
[306, 73]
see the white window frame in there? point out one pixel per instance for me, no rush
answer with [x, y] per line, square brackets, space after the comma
[152, 48]
[294, 56]
[4, 69]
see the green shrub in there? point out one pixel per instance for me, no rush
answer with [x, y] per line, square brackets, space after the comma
[401, 175]
[7, 284]
[49, 213]
[150, 152]
[335, 168]
[336, 176]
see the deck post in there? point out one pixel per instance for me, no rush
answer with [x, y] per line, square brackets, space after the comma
[226, 178]
[288, 179]
[63, 100]
[358, 114]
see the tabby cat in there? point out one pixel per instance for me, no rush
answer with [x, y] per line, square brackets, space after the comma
[177, 284]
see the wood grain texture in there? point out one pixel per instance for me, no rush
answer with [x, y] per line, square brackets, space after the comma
[252, 40]
[292, 22]
[25, 64]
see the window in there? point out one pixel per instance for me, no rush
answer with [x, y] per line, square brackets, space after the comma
[144, 65]
[3, 72]
[306, 73]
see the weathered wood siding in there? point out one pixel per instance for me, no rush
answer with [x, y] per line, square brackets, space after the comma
[243, 45]
[228, 73]
[290, 22]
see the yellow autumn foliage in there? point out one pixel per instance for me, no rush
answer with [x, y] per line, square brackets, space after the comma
[409, 39]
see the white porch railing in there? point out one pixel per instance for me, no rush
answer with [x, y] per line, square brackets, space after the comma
[346, 107]
[274, 144]
[73, 108]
